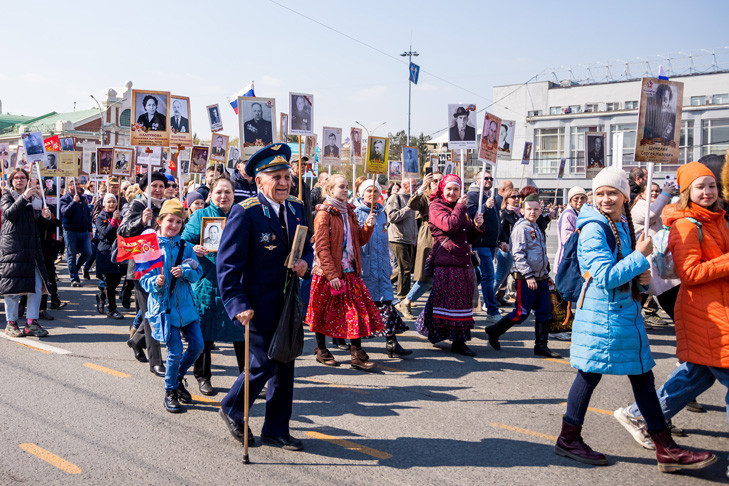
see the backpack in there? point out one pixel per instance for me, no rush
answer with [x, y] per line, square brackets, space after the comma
[569, 278]
[662, 257]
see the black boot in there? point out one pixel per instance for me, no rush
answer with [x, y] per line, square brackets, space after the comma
[182, 394]
[541, 338]
[495, 330]
[100, 302]
[171, 403]
[393, 348]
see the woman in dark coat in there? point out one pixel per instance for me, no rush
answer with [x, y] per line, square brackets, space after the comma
[22, 268]
[107, 222]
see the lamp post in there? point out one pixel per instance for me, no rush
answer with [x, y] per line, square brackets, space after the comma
[409, 55]
[101, 121]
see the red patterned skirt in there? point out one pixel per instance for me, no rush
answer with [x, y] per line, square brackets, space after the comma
[349, 315]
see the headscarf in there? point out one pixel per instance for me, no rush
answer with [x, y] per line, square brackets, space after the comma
[449, 179]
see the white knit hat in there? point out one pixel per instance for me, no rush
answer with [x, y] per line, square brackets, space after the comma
[109, 196]
[612, 177]
[366, 185]
[576, 191]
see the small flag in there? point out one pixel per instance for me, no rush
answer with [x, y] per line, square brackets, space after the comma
[233, 99]
[414, 72]
[662, 73]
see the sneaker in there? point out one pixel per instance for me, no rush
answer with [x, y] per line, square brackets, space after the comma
[58, 304]
[34, 329]
[654, 320]
[492, 319]
[676, 431]
[404, 308]
[635, 426]
[695, 407]
[560, 336]
[12, 330]
[115, 314]
[76, 283]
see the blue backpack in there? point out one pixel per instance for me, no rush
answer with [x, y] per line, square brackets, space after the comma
[569, 279]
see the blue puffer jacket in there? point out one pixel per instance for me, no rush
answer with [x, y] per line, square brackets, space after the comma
[608, 335]
[181, 302]
[376, 269]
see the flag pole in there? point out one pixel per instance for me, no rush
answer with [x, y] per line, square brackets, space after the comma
[300, 157]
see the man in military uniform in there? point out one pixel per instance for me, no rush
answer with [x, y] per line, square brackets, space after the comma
[257, 129]
[251, 276]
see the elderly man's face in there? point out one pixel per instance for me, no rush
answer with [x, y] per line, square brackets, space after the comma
[257, 112]
[219, 142]
[176, 107]
[275, 185]
[461, 122]
[598, 144]
[492, 132]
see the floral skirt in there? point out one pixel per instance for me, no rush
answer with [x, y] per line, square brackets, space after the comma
[448, 314]
[350, 315]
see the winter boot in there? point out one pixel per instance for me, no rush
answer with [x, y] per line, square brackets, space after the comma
[495, 330]
[570, 444]
[393, 348]
[541, 338]
[671, 457]
[360, 360]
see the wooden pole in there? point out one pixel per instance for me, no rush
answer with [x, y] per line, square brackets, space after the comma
[463, 169]
[521, 179]
[300, 156]
[480, 194]
[646, 195]
[372, 201]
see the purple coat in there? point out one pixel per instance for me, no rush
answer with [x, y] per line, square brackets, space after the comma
[451, 220]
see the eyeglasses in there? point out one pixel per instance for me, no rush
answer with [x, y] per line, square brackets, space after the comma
[488, 178]
[174, 186]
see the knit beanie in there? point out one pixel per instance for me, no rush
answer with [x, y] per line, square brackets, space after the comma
[576, 191]
[156, 176]
[612, 177]
[688, 173]
[192, 197]
[172, 206]
[109, 196]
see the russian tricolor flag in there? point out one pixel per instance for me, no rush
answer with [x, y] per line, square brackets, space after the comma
[233, 99]
[146, 262]
[661, 73]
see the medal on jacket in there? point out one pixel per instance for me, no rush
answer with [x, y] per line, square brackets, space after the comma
[533, 234]
[266, 237]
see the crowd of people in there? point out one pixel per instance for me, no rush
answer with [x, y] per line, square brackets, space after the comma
[369, 256]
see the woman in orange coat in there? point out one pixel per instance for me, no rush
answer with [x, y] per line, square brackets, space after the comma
[340, 305]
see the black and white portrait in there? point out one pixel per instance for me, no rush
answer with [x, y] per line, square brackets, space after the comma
[355, 148]
[122, 162]
[152, 111]
[660, 117]
[258, 118]
[233, 157]
[180, 116]
[50, 163]
[506, 136]
[284, 128]
[218, 147]
[332, 139]
[462, 126]
[410, 161]
[67, 144]
[34, 149]
[595, 150]
[527, 154]
[301, 106]
[449, 166]
[310, 146]
[212, 229]
[216, 123]
[5, 157]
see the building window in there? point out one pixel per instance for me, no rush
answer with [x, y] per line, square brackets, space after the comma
[628, 130]
[590, 107]
[555, 110]
[715, 136]
[574, 109]
[549, 148]
[720, 99]
[631, 105]
[534, 113]
[577, 148]
[614, 106]
[125, 119]
[698, 100]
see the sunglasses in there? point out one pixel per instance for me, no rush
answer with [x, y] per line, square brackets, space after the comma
[174, 186]
[488, 178]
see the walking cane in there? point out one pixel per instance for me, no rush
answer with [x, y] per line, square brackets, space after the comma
[246, 392]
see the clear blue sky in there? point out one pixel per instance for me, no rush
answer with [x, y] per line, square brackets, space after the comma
[210, 50]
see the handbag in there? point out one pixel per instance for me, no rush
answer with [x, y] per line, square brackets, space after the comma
[287, 343]
[429, 265]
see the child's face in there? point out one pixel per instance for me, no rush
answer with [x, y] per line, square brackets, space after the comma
[610, 200]
[704, 191]
[170, 225]
[532, 210]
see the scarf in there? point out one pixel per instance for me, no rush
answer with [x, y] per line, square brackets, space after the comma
[450, 178]
[36, 202]
[515, 209]
[343, 208]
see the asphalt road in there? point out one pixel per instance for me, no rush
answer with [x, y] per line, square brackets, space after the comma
[85, 411]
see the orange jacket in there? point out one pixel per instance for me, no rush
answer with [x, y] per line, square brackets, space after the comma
[702, 306]
[329, 239]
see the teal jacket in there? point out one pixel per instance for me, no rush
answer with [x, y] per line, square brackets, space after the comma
[608, 334]
[214, 321]
[182, 309]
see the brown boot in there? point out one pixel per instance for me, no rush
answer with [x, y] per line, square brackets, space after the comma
[671, 457]
[404, 307]
[360, 360]
[570, 444]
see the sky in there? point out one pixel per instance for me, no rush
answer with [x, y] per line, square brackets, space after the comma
[210, 50]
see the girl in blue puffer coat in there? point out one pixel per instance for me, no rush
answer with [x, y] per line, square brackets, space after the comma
[608, 334]
[171, 306]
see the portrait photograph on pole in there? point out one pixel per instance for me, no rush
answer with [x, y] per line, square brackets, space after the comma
[377, 154]
[488, 150]
[659, 121]
[283, 128]
[594, 152]
[33, 146]
[150, 115]
[104, 157]
[395, 170]
[527, 153]
[301, 108]
[332, 138]
[411, 161]
[123, 158]
[506, 137]
[462, 125]
[198, 159]
[218, 148]
[216, 122]
[256, 124]
[355, 145]
[180, 132]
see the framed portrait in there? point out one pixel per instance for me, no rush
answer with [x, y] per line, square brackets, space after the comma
[211, 230]
[595, 150]
[104, 158]
[49, 166]
[434, 163]
[462, 126]
[68, 165]
[506, 137]
[355, 145]
[67, 144]
[180, 132]
[310, 147]
[411, 161]
[394, 172]
[34, 149]
[297, 247]
[123, 161]
[449, 168]
[218, 148]
[20, 157]
[4, 158]
[233, 157]
[199, 159]
[257, 117]
[332, 139]
[143, 159]
[488, 150]
[216, 122]
[284, 128]
[527, 153]
[150, 116]
[301, 107]
[377, 153]
[659, 121]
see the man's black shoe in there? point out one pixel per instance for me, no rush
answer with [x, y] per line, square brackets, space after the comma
[287, 443]
[182, 394]
[58, 304]
[138, 352]
[158, 370]
[171, 403]
[206, 388]
[236, 429]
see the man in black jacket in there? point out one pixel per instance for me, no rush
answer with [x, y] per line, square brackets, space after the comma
[245, 186]
[491, 238]
[77, 230]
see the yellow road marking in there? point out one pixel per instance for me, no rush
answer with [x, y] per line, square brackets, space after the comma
[563, 361]
[335, 385]
[51, 458]
[389, 368]
[347, 444]
[116, 373]
[525, 431]
[45, 351]
[593, 409]
[200, 398]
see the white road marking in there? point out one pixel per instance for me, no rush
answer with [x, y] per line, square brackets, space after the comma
[36, 344]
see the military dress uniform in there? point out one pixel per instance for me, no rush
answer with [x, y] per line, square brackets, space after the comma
[251, 275]
[254, 131]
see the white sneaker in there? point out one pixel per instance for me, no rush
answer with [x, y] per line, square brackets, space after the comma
[493, 319]
[636, 427]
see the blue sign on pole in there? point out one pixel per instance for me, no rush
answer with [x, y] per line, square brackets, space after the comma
[414, 72]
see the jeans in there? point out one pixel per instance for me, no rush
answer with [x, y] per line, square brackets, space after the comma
[504, 262]
[486, 255]
[177, 362]
[687, 382]
[76, 242]
[418, 289]
[33, 308]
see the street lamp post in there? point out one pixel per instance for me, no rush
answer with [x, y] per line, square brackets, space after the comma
[409, 55]
[101, 121]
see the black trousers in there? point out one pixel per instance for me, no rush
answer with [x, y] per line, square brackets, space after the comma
[111, 282]
[203, 364]
[143, 337]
